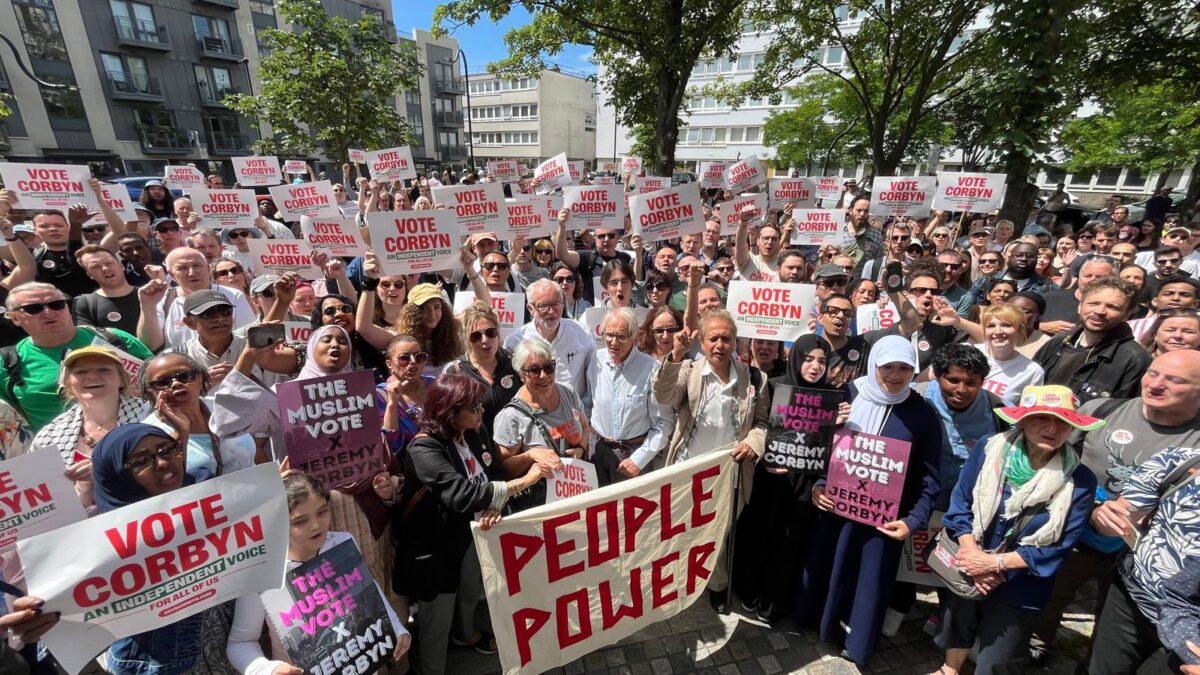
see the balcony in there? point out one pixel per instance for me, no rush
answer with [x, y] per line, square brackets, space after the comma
[227, 4]
[450, 85]
[218, 47]
[146, 34]
[213, 97]
[389, 32]
[165, 140]
[449, 152]
[227, 143]
[449, 118]
[130, 87]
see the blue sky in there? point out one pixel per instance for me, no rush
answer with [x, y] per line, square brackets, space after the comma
[483, 42]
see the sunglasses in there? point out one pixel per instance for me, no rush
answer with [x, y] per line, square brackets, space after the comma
[526, 248]
[478, 335]
[419, 357]
[670, 330]
[494, 266]
[1164, 261]
[35, 308]
[831, 283]
[240, 234]
[538, 370]
[923, 291]
[142, 462]
[838, 311]
[661, 286]
[182, 377]
[386, 285]
[228, 272]
[941, 235]
[332, 310]
[544, 251]
[989, 261]
[723, 269]
[901, 238]
[268, 293]
[216, 313]
[93, 230]
[1087, 236]
[952, 266]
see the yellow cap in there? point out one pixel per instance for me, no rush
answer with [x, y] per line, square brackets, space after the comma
[423, 293]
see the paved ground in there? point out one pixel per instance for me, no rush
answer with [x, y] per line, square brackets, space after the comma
[702, 642]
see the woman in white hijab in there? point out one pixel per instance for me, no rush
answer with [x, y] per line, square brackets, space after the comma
[846, 586]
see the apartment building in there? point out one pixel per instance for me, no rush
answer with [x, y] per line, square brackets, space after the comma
[434, 108]
[533, 118]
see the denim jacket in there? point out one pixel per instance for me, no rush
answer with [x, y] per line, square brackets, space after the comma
[171, 649]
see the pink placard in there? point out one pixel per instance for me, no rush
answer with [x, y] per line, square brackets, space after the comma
[866, 476]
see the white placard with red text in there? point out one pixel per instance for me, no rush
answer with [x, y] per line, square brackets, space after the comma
[799, 192]
[605, 180]
[870, 316]
[745, 174]
[973, 192]
[576, 477]
[577, 168]
[595, 206]
[479, 207]
[257, 171]
[314, 200]
[159, 560]
[828, 187]
[295, 167]
[631, 164]
[712, 174]
[813, 227]
[504, 170]
[357, 156]
[526, 218]
[130, 363]
[407, 242]
[552, 174]
[551, 204]
[910, 196]
[186, 178]
[338, 237]
[48, 186]
[35, 497]
[117, 196]
[731, 211]
[223, 209]
[297, 331]
[280, 256]
[645, 184]
[771, 310]
[568, 578]
[509, 307]
[391, 164]
[667, 213]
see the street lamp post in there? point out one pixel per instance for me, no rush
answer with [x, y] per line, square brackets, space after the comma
[467, 86]
[29, 73]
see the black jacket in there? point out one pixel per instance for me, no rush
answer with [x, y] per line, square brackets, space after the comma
[1114, 368]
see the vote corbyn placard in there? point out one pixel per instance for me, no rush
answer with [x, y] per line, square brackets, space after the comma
[712, 174]
[576, 167]
[415, 241]
[526, 218]
[795, 191]
[314, 200]
[575, 478]
[186, 178]
[667, 213]
[280, 256]
[552, 174]
[257, 171]
[646, 184]
[973, 192]
[391, 164]
[221, 209]
[295, 167]
[744, 175]
[509, 308]
[631, 164]
[48, 186]
[35, 497]
[828, 187]
[479, 207]
[595, 206]
[158, 561]
[813, 227]
[357, 156]
[771, 310]
[504, 170]
[731, 211]
[116, 196]
[909, 196]
[338, 237]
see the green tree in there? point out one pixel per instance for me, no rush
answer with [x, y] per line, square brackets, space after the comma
[646, 50]
[334, 81]
[804, 135]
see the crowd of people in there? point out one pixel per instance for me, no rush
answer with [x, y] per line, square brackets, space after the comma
[1046, 377]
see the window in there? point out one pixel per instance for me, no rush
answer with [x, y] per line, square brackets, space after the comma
[443, 105]
[753, 134]
[134, 20]
[1108, 176]
[693, 136]
[214, 82]
[1134, 178]
[706, 135]
[526, 111]
[211, 27]
[62, 103]
[266, 7]
[735, 134]
[1055, 175]
[1081, 180]
[413, 96]
[720, 135]
[833, 56]
[126, 73]
[143, 117]
[39, 26]
[842, 13]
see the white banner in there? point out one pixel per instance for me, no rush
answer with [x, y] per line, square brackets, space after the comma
[526, 218]
[645, 184]
[973, 192]
[593, 317]
[117, 196]
[909, 196]
[391, 164]
[357, 156]
[744, 175]
[504, 170]
[35, 497]
[828, 187]
[871, 316]
[551, 174]
[314, 200]
[295, 167]
[814, 227]
[415, 241]
[509, 308]
[668, 213]
[595, 206]
[731, 210]
[712, 174]
[913, 568]
[338, 237]
[160, 560]
[257, 171]
[565, 579]
[280, 256]
[797, 191]
[575, 478]
[771, 310]
[48, 186]
[186, 178]
[222, 209]
[479, 207]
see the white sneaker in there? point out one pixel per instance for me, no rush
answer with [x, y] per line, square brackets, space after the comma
[891, 622]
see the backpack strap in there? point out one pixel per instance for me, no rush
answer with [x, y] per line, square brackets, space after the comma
[525, 409]
[12, 368]
[1178, 478]
[1105, 409]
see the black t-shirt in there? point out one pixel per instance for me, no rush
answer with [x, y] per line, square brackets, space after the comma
[847, 363]
[98, 311]
[60, 269]
[590, 265]
[1061, 305]
[926, 341]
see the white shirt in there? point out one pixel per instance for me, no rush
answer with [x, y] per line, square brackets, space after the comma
[573, 347]
[622, 402]
[176, 334]
[714, 416]
[1007, 379]
[758, 269]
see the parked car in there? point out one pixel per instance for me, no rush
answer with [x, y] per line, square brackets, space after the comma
[681, 177]
[135, 184]
[1137, 210]
[1074, 213]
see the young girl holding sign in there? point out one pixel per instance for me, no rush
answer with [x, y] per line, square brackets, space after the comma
[308, 536]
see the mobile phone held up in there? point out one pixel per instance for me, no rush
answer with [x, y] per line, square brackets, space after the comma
[265, 335]
[893, 277]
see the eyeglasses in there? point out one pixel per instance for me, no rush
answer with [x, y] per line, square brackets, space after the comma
[142, 462]
[564, 280]
[616, 337]
[901, 237]
[831, 283]
[724, 269]
[332, 310]
[660, 286]
[268, 293]
[419, 357]
[240, 234]
[182, 377]
[228, 272]
[538, 370]
[386, 285]
[543, 251]
[923, 291]
[953, 267]
[547, 306]
[35, 308]
[526, 248]
[94, 230]
[215, 313]
[1164, 261]
[838, 311]
[494, 266]
[989, 261]
[607, 235]
[478, 335]
[669, 330]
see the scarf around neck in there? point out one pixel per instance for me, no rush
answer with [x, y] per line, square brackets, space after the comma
[1050, 486]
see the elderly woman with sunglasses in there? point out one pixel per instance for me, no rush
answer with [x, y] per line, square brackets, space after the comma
[543, 253]
[544, 422]
[486, 360]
